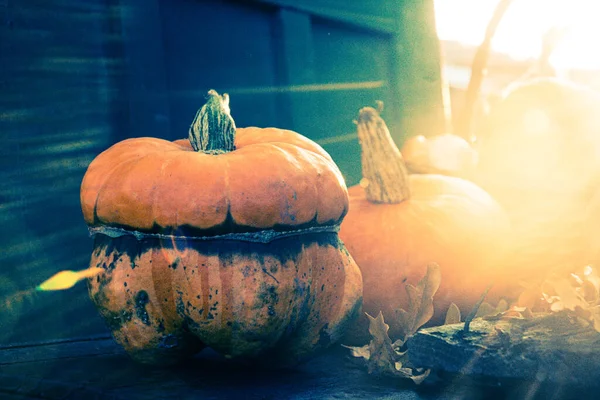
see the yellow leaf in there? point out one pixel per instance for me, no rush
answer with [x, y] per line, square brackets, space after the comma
[67, 279]
[60, 281]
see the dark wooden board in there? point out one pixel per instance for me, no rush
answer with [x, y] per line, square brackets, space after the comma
[554, 349]
[98, 368]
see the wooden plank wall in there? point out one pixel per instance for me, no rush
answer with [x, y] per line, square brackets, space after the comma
[79, 76]
[57, 78]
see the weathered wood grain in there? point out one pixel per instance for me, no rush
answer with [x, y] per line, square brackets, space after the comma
[553, 349]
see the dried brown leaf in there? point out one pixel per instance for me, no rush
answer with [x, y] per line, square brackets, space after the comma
[360, 352]
[420, 301]
[501, 306]
[452, 315]
[530, 297]
[382, 354]
[410, 374]
[383, 357]
[485, 309]
[567, 294]
[589, 292]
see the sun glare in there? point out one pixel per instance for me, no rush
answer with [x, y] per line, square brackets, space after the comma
[523, 26]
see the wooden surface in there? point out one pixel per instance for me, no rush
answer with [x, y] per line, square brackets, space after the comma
[553, 349]
[96, 368]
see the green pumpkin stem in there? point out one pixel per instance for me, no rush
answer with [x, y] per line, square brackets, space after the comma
[385, 177]
[213, 128]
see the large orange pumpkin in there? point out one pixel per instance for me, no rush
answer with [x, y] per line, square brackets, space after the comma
[228, 240]
[399, 223]
[540, 158]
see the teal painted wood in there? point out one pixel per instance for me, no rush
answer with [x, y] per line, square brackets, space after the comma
[418, 83]
[295, 66]
[57, 81]
[144, 84]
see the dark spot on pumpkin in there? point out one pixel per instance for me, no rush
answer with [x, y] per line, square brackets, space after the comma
[217, 291]
[180, 306]
[125, 284]
[141, 300]
[201, 311]
[175, 264]
[404, 279]
[273, 268]
[98, 278]
[322, 287]
[168, 342]
[161, 327]
[246, 271]
[271, 311]
[210, 316]
[198, 297]
[267, 296]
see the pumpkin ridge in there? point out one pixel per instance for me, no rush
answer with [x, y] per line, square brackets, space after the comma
[119, 190]
[106, 179]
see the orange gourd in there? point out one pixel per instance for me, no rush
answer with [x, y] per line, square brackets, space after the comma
[399, 223]
[228, 240]
[445, 154]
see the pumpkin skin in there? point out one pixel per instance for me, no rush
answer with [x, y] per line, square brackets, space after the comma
[445, 154]
[445, 220]
[210, 248]
[277, 303]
